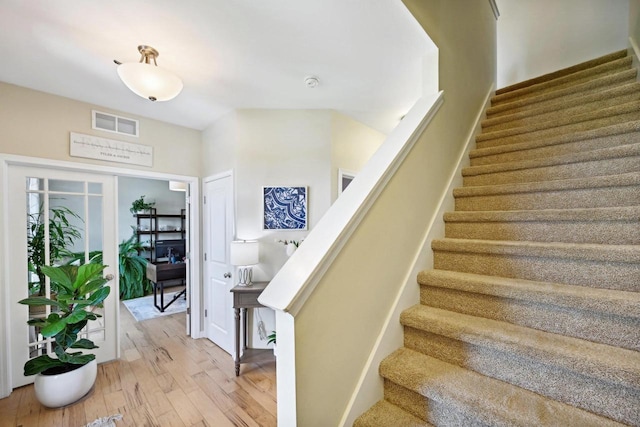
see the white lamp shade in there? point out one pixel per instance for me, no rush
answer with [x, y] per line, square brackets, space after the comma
[177, 186]
[244, 252]
[150, 81]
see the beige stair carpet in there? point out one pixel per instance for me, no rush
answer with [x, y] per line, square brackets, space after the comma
[531, 315]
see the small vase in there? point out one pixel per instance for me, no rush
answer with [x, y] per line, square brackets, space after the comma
[290, 249]
[55, 391]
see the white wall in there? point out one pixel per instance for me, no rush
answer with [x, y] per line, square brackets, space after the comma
[352, 145]
[288, 148]
[541, 36]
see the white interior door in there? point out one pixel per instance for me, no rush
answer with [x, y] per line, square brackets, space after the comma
[218, 233]
[38, 198]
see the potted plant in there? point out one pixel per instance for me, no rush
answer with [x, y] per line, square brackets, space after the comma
[68, 376]
[272, 339]
[62, 235]
[139, 205]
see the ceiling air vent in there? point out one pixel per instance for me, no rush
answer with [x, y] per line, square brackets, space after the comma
[112, 123]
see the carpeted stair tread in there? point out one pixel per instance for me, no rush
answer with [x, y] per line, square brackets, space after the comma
[565, 94]
[563, 82]
[621, 180]
[606, 225]
[605, 316]
[563, 122]
[621, 159]
[588, 375]
[565, 71]
[576, 251]
[609, 136]
[599, 361]
[621, 213]
[589, 101]
[489, 401]
[386, 414]
[621, 303]
[531, 313]
[590, 265]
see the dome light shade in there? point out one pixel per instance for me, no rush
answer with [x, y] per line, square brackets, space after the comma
[148, 80]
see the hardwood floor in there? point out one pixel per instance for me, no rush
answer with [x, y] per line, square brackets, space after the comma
[163, 378]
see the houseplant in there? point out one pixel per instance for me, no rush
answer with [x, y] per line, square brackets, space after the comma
[69, 375]
[62, 235]
[272, 339]
[139, 205]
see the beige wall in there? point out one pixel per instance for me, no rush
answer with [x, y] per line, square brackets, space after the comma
[352, 145]
[541, 36]
[337, 328]
[37, 124]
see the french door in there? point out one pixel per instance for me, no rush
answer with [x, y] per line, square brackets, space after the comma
[58, 217]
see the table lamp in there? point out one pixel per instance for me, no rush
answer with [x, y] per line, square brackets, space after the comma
[244, 254]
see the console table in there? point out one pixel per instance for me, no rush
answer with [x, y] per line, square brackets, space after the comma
[245, 297]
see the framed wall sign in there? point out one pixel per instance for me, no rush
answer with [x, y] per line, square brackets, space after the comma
[284, 208]
[110, 150]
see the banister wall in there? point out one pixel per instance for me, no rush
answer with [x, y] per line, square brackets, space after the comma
[332, 313]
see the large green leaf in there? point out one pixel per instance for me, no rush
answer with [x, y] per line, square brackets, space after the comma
[54, 328]
[100, 295]
[86, 273]
[84, 343]
[76, 316]
[41, 301]
[81, 359]
[63, 275]
[40, 364]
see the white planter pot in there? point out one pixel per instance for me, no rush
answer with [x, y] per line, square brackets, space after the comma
[59, 390]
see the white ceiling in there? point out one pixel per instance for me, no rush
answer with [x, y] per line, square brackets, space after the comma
[229, 53]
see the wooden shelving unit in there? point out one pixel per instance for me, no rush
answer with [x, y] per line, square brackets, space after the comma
[157, 226]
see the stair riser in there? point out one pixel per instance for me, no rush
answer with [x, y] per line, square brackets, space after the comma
[598, 396]
[581, 105]
[586, 169]
[564, 125]
[564, 82]
[568, 199]
[593, 326]
[567, 95]
[438, 413]
[602, 232]
[559, 149]
[607, 275]
[490, 141]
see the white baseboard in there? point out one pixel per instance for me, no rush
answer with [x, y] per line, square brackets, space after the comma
[370, 385]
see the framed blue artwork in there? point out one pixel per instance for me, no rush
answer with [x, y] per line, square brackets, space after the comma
[284, 208]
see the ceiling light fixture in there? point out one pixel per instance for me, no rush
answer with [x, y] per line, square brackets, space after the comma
[148, 80]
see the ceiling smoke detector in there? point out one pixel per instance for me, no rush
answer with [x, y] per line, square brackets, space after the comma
[311, 81]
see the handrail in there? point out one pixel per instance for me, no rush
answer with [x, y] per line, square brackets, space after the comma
[297, 279]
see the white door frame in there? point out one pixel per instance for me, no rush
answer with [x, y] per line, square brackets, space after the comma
[7, 160]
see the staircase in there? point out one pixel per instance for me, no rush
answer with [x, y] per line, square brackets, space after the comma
[531, 315]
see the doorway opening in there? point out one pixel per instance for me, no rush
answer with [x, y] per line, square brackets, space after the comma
[153, 231]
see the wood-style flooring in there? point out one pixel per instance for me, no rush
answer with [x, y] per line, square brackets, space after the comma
[163, 378]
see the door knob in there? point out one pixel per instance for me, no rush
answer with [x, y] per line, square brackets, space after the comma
[109, 277]
[227, 275]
